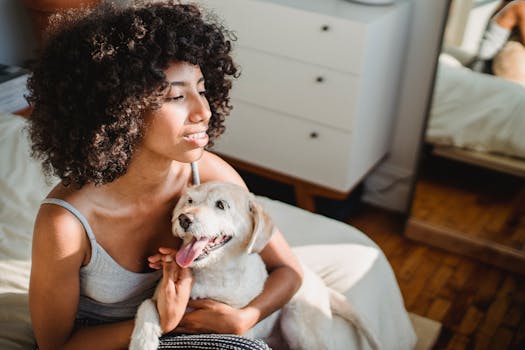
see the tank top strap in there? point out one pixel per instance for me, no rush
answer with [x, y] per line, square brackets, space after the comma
[195, 173]
[74, 211]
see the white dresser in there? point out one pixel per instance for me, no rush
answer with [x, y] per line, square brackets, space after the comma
[318, 89]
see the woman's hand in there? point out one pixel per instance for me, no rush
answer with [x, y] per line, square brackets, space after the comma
[210, 316]
[174, 291]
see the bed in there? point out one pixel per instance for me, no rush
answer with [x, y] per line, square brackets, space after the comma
[368, 281]
[477, 118]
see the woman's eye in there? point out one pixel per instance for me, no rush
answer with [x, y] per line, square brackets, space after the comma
[220, 204]
[202, 93]
[176, 98]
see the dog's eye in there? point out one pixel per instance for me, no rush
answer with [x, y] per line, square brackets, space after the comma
[190, 201]
[221, 204]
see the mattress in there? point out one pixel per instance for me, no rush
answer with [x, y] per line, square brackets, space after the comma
[476, 111]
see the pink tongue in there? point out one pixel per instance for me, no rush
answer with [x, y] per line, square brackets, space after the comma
[190, 251]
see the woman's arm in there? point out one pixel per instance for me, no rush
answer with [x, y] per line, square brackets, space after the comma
[285, 275]
[60, 247]
[512, 15]
[521, 20]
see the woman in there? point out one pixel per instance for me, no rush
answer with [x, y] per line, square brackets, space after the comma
[124, 100]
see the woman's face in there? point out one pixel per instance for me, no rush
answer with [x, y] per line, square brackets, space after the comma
[177, 131]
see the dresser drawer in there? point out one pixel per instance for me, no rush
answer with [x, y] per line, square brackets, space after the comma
[306, 36]
[292, 146]
[306, 91]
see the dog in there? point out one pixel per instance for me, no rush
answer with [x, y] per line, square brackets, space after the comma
[223, 228]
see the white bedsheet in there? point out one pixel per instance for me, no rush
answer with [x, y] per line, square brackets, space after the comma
[476, 111]
[354, 265]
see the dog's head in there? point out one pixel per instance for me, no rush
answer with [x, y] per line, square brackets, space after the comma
[218, 220]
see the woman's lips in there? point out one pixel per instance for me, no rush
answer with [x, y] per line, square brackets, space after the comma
[199, 139]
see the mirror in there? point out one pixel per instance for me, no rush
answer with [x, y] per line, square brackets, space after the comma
[469, 197]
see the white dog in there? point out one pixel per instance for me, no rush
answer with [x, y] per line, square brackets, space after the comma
[222, 228]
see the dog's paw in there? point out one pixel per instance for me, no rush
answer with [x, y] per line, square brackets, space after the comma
[147, 329]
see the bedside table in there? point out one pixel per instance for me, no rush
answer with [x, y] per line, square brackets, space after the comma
[317, 96]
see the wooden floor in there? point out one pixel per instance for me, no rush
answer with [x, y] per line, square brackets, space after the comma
[479, 306]
[479, 203]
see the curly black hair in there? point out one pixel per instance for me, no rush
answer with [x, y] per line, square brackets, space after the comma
[99, 71]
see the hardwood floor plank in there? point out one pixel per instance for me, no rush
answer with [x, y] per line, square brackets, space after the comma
[462, 273]
[518, 341]
[438, 309]
[470, 321]
[458, 342]
[498, 308]
[412, 263]
[502, 339]
[488, 288]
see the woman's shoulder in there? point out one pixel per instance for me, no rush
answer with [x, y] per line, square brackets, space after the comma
[213, 168]
[56, 217]
[512, 11]
[58, 232]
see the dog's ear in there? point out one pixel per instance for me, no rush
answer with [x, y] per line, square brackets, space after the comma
[263, 228]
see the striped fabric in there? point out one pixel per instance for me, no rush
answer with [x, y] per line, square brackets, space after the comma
[211, 342]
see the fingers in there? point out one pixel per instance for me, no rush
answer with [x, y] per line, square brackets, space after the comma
[167, 251]
[170, 270]
[168, 262]
[155, 261]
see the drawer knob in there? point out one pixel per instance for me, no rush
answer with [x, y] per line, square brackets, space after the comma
[325, 28]
[314, 135]
[319, 79]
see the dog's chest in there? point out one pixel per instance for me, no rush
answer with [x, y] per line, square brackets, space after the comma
[235, 283]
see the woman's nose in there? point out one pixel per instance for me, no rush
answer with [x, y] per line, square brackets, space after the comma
[200, 110]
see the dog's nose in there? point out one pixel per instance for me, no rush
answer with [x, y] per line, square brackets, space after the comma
[184, 221]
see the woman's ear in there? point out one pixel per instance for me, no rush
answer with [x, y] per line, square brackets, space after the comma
[263, 228]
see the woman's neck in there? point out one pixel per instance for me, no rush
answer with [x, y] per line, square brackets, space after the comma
[150, 180]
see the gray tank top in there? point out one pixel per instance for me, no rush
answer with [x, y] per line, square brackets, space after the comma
[108, 291]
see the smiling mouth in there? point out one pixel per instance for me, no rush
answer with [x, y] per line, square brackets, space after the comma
[198, 249]
[198, 135]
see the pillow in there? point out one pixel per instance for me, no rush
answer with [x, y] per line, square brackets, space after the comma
[22, 187]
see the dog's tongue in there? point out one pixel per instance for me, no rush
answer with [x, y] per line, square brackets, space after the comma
[190, 251]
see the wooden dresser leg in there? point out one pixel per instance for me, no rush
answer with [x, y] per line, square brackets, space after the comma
[304, 198]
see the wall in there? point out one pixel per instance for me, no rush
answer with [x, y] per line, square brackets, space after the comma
[16, 37]
[390, 185]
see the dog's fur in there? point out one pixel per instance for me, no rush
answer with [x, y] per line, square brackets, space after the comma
[223, 228]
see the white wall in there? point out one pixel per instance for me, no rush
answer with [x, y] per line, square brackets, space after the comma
[16, 37]
[390, 185]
